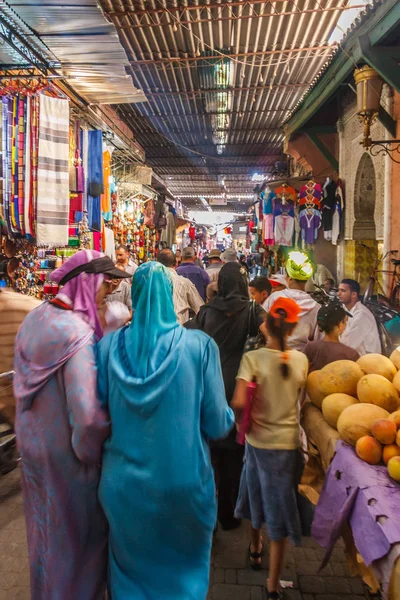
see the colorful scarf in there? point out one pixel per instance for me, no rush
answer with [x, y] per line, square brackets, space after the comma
[81, 290]
[53, 172]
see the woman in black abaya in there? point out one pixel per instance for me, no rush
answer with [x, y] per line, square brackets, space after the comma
[230, 318]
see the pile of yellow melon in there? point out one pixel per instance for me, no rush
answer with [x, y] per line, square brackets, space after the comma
[362, 401]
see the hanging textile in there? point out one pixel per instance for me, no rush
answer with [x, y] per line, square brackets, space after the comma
[106, 196]
[95, 178]
[21, 164]
[310, 222]
[337, 212]
[53, 172]
[27, 160]
[284, 229]
[328, 206]
[34, 139]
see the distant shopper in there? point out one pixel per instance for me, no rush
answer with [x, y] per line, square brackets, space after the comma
[362, 331]
[185, 295]
[279, 282]
[124, 260]
[260, 290]
[230, 318]
[195, 274]
[319, 275]
[229, 255]
[332, 321]
[121, 292]
[243, 263]
[274, 463]
[215, 264]
[299, 270]
[328, 285]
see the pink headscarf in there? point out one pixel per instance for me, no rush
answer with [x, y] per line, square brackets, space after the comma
[80, 292]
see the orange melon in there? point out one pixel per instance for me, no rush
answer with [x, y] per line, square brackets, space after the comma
[340, 377]
[378, 365]
[313, 389]
[375, 389]
[369, 450]
[395, 357]
[389, 452]
[395, 418]
[384, 431]
[396, 381]
[356, 421]
[394, 468]
[334, 405]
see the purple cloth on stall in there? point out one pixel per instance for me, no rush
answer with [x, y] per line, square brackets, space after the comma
[359, 493]
[309, 225]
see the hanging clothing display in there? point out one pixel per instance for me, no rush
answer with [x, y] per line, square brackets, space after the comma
[328, 206]
[53, 171]
[284, 229]
[337, 212]
[268, 217]
[95, 178]
[310, 222]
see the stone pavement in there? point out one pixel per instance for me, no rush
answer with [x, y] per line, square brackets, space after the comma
[230, 577]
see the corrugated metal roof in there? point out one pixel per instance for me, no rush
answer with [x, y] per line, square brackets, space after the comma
[194, 123]
[88, 47]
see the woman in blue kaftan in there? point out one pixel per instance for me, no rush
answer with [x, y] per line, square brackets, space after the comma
[165, 394]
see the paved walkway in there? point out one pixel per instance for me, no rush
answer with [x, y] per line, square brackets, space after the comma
[230, 577]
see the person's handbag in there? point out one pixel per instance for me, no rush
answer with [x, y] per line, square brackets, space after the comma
[246, 416]
[253, 342]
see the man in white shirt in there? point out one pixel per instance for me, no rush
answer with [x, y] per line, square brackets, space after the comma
[185, 295]
[361, 332]
[124, 260]
[299, 271]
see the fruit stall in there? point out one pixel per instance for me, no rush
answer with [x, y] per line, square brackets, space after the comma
[352, 422]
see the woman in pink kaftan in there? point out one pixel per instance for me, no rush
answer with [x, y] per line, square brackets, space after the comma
[61, 428]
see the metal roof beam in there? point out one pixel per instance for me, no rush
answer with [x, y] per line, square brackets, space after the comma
[16, 41]
[384, 60]
[383, 20]
[182, 8]
[200, 92]
[165, 18]
[223, 56]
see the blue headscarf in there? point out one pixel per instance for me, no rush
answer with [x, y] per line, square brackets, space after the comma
[154, 331]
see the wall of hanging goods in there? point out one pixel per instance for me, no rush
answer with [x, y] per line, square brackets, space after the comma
[57, 189]
[289, 218]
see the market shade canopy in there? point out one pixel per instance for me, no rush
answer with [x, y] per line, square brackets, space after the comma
[78, 37]
[220, 79]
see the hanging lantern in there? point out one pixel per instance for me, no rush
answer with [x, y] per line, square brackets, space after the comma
[369, 88]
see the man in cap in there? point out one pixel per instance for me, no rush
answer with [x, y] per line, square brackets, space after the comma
[299, 270]
[279, 282]
[215, 264]
[195, 274]
[229, 255]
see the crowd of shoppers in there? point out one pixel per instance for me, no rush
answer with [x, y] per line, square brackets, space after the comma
[129, 452]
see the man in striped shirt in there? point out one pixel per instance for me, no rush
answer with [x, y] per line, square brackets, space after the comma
[185, 295]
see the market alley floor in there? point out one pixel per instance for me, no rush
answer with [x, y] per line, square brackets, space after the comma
[230, 578]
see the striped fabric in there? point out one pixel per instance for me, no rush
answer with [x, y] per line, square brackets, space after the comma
[53, 172]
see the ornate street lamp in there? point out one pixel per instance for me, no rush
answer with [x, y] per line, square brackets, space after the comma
[369, 88]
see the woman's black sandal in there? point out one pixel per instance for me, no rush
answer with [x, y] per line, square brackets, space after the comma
[255, 556]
